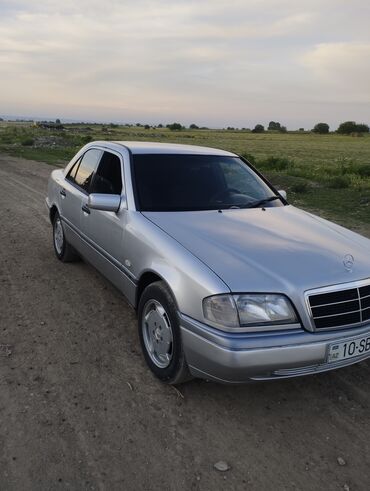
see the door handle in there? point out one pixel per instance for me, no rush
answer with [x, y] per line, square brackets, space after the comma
[86, 209]
[63, 193]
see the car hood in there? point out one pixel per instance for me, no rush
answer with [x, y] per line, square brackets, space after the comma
[280, 249]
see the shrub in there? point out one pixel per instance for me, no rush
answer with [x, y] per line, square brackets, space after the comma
[321, 128]
[338, 182]
[363, 170]
[277, 163]
[28, 142]
[86, 139]
[175, 127]
[251, 159]
[349, 127]
[300, 187]
[302, 172]
[274, 126]
[362, 128]
[259, 128]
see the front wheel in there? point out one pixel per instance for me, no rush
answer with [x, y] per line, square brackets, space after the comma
[160, 335]
[63, 250]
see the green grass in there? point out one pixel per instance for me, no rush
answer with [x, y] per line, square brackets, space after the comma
[326, 174]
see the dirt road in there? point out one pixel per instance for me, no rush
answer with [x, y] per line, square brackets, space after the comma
[79, 410]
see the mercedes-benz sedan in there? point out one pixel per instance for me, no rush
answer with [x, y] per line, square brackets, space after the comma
[229, 280]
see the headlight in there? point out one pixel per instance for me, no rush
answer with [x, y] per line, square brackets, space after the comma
[248, 310]
[264, 309]
[221, 310]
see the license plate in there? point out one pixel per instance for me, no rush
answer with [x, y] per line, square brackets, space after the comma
[349, 349]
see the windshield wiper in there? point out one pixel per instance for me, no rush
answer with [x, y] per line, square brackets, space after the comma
[256, 204]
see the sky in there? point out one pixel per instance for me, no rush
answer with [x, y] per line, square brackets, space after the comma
[211, 62]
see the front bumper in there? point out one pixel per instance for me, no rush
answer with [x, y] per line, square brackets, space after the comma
[237, 358]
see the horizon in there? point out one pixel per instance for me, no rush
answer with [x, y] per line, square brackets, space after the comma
[38, 119]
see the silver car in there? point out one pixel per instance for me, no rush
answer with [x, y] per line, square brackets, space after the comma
[230, 282]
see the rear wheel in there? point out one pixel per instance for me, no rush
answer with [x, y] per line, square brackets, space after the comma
[160, 335]
[64, 251]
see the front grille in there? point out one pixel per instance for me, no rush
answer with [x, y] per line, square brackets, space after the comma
[340, 308]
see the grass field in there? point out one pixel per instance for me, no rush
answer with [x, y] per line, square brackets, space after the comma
[326, 174]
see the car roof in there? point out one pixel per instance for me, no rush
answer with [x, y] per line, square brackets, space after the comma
[169, 148]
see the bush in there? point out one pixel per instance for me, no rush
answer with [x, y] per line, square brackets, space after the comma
[338, 182]
[175, 127]
[259, 128]
[277, 163]
[321, 128]
[86, 139]
[28, 142]
[274, 126]
[362, 128]
[363, 170]
[251, 159]
[349, 127]
[300, 187]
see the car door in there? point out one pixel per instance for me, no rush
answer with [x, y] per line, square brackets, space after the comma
[74, 195]
[105, 229]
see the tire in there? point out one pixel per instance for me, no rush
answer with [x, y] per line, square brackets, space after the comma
[64, 251]
[160, 336]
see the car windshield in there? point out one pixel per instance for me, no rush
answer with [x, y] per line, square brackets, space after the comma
[198, 182]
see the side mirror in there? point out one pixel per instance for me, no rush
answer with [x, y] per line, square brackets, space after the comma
[282, 193]
[104, 202]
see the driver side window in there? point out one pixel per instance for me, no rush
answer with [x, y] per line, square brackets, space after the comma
[82, 172]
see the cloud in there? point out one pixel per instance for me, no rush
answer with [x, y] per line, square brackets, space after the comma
[216, 61]
[342, 68]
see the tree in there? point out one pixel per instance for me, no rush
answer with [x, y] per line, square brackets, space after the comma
[347, 128]
[321, 128]
[259, 128]
[147, 127]
[362, 128]
[175, 127]
[57, 121]
[273, 125]
[283, 129]
[194, 126]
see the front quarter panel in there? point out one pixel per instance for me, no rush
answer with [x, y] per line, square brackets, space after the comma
[150, 249]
